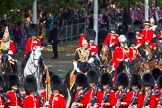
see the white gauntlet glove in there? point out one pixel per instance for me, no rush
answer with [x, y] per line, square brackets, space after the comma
[10, 52]
[75, 65]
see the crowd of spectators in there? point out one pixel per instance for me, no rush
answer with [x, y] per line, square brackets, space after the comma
[107, 15]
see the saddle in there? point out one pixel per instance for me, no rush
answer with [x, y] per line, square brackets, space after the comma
[25, 60]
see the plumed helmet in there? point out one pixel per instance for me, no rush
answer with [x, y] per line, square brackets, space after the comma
[122, 38]
[131, 38]
[137, 26]
[92, 76]
[122, 79]
[159, 81]
[84, 41]
[136, 81]
[13, 80]
[1, 82]
[106, 79]
[33, 30]
[82, 35]
[6, 33]
[81, 80]
[160, 24]
[84, 67]
[56, 83]
[156, 72]
[30, 84]
[44, 78]
[152, 21]
[148, 80]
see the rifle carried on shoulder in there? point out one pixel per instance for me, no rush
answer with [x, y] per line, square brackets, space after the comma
[134, 99]
[3, 95]
[106, 97]
[19, 95]
[41, 99]
[81, 94]
[147, 99]
[123, 95]
[93, 99]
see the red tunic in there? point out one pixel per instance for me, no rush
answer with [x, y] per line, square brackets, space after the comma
[119, 55]
[2, 102]
[158, 98]
[159, 36]
[43, 94]
[133, 53]
[93, 48]
[30, 44]
[126, 99]
[148, 34]
[111, 100]
[152, 103]
[140, 39]
[139, 98]
[111, 39]
[14, 101]
[82, 37]
[31, 102]
[57, 101]
[82, 101]
[12, 47]
[99, 95]
[153, 46]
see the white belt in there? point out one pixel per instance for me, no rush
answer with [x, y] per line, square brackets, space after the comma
[14, 107]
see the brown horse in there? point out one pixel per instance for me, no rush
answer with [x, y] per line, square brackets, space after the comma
[106, 55]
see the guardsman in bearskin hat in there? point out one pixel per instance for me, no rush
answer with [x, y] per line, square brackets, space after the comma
[120, 53]
[57, 100]
[148, 33]
[15, 100]
[111, 40]
[94, 94]
[30, 86]
[3, 98]
[149, 96]
[81, 38]
[33, 40]
[80, 97]
[133, 52]
[108, 98]
[81, 56]
[156, 72]
[159, 99]
[44, 83]
[136, 96]
[122, 96]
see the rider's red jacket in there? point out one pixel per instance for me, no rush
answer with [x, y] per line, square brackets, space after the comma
[111, 38]
[148, 34]
[93, 48]
[30, 44]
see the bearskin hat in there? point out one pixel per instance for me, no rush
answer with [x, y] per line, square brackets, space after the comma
[56, 83]
[33, 30]
[44, 78]
[83, 67]
[137, 26]
[1, 82]
[30, 84]
[81, 80]
[159, 81]
[131, 38]
[160, 24]
[148, 80]
[113, 28]
[156, 73]
[92, 76]
[122, 79]
[13, 80]
[136, 81]
[91, 34]
[106, 79]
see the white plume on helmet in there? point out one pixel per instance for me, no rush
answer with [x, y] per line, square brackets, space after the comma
[84, 42]
[122, 38]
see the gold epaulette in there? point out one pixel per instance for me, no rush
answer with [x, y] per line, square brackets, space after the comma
[77, 49]
[61, 95]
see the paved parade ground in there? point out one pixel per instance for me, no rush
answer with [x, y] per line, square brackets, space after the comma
[59, 66]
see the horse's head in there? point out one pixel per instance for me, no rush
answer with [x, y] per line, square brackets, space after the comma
[36, 53]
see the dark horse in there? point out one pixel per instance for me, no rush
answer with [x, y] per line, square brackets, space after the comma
[7, 68]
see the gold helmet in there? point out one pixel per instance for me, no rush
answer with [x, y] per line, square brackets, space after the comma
[6, 34]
